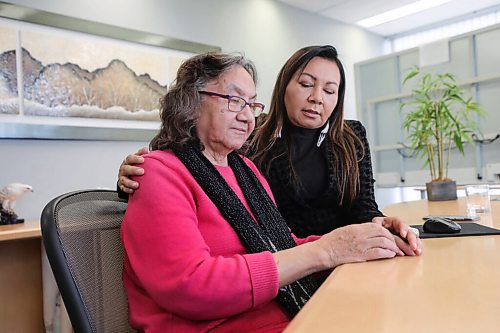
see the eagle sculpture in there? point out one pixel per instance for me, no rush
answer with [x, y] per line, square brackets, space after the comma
[10, 193]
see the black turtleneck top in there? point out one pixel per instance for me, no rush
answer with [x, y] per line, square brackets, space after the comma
[312, 206]
[309, 162]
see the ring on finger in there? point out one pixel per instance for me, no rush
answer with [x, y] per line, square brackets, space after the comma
[414, 230]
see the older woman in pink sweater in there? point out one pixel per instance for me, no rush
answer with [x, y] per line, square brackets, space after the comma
[205, 246]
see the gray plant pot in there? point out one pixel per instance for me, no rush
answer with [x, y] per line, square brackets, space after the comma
[441, 191]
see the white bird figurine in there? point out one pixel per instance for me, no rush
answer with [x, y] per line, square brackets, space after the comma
[10, 193]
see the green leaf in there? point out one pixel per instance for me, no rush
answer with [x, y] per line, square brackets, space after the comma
[438, 113]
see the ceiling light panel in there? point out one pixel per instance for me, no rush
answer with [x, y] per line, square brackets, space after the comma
[397, 13]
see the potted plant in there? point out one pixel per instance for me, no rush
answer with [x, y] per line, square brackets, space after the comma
[438, 117]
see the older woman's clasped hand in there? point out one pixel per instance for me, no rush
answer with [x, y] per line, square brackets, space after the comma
[385, 237]
[358, 243]
[404, 237]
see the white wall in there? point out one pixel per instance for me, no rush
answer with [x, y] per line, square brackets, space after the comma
[267, 31]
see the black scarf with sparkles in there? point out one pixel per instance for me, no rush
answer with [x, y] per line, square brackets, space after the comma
[270, 233]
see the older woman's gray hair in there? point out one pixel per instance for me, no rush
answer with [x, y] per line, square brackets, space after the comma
[180, 106]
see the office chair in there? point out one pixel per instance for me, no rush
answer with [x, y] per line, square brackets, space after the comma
[81, 234]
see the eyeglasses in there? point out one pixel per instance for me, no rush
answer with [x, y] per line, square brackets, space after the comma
[236, 103]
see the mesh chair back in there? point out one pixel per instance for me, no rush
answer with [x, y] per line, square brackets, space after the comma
[81, 234]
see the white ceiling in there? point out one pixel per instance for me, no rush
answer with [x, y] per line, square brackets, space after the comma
[351, 11]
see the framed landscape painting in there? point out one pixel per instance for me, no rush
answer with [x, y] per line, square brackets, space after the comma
[65, 84]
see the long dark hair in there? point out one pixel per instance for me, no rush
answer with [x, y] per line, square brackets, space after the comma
[343, 142]
[179, 109]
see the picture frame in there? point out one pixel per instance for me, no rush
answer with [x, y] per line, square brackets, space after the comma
[72, 98]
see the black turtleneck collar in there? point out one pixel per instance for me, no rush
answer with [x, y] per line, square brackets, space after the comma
[303, 139]
[308, 160]
[301, 131]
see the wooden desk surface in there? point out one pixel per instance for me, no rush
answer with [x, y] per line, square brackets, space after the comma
[453, 287]
[28, 229]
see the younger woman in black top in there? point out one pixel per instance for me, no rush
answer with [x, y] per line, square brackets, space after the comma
[317, 163]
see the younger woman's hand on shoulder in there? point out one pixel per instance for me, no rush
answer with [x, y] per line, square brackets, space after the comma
[128, 169]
